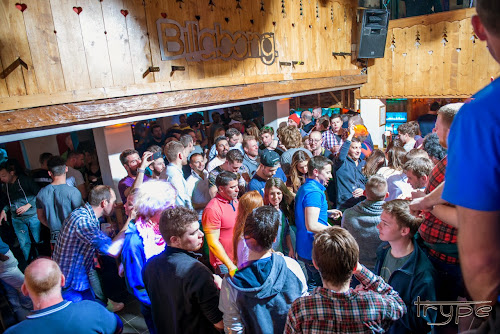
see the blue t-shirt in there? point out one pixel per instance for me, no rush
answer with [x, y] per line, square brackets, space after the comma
[311, 194]
[258, 183]
[473, 170]
[68, 317]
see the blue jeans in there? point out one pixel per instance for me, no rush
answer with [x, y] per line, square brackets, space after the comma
[22, 227]
[313, 276]
[77, 296]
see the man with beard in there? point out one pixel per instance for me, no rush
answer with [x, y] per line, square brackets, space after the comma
[316, 142]
[222, 147]
[192, 286]
[251, 157]
[136, 168]
[269, 167]
[157, 136]
[74, 177]
[81, 237]
[349, 177]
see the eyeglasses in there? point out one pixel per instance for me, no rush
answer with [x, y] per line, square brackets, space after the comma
[314, 140]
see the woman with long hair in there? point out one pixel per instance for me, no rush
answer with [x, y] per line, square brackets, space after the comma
[249, 201]
[374, 162]
[298, 171]
[397, 184]
[277, 195]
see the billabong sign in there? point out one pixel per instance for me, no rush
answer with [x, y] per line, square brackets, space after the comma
[193, 44]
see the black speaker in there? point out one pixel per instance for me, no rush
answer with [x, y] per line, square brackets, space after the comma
[373, 33]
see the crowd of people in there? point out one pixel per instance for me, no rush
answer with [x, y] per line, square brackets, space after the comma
[241, 228]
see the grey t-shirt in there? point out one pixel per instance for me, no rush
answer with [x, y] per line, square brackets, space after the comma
[392, 264]
[57, 202]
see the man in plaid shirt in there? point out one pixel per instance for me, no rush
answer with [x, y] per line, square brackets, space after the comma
[81, 237]
[332, 138]
[335, 307]
[438, 237]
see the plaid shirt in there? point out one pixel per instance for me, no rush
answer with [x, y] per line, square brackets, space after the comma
[76, 245]
[331, 140]
[433, 230]
[368, 311]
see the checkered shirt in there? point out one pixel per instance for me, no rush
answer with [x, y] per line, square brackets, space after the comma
[433, 230]
[331, 140]
[76, 246]
[368, 311]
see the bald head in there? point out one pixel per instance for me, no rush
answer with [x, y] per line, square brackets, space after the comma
[43, 277]
[306, 117]
[315, 140]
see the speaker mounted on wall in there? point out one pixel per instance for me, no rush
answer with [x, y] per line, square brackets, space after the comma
[373, 33]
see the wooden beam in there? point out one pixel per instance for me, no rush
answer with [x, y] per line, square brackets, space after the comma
[334, 97]
[74, 113]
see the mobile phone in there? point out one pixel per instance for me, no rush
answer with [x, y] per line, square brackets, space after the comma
[155, 156]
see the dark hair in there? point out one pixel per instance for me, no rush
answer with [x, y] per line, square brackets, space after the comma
[278, 183]
[186, 140]
[489, 11]
[56, 165]
[125, 154]
[319, 162]
[432, 146]
[395, 158]
[98, 194]
[234, 155]
[435, 106]
[400, 210]
[333, 116]
[267, 129]
[224, 178]
[76, 153]
[231, 132]
[374, 162]
[297, 180]
[12, 165]
[154, 126]
[407, 128]
[174, 222]
[220, 138]
[44, 157]
[336, 254]
[194, 155]
[262, 226]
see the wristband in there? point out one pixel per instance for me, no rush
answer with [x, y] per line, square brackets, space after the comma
[141, 170]
[232, 272]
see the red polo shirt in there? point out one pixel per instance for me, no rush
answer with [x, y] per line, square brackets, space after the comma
[220, 214]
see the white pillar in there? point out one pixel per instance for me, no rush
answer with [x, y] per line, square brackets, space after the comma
[35, 146]
[276, 112]
[370, 112]
[110, 142]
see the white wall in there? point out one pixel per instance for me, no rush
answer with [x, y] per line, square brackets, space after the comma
[36, 146]
[370, 112]
[276, 112]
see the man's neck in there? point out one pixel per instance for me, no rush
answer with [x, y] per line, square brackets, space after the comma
[259, 173]
[57, 180]
[402, 247]
[177, 163]
[224, 197]
[336, 288]
[356, 160]
[199, 173]
[97, 211]
[250, 157]
[254, 256]
[45, 302]
[317, 151]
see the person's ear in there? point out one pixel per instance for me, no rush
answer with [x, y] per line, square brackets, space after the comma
[314, 264]
[63, 280]
[405, 231]
[479, 28]
[103, 203]
[174, 241]
[364, 192]
[50, 174]
[66, 169]
[387, 195]
[24, 290]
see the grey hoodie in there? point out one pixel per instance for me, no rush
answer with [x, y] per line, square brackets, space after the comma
[361, 221]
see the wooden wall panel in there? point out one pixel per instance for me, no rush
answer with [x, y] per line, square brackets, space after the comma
[118, 42]
[456, 68]
[100, 53]
[94, 40]
[137, 31]
[43, 46]
[70, 45]
[14, 45]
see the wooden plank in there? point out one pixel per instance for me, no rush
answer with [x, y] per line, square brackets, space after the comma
[3, 85]
[137, 31]
[436, 62]
[70, 45]
[13, 46]
[399, 62]
[35, 118]
[43, 46]
[452, 55]
[192, 9]
[464, 70]
[411, 61]
[94, 40]
[117, 39]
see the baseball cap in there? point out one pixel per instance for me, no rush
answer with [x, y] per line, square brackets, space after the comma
[295, 118]
[269, 158]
